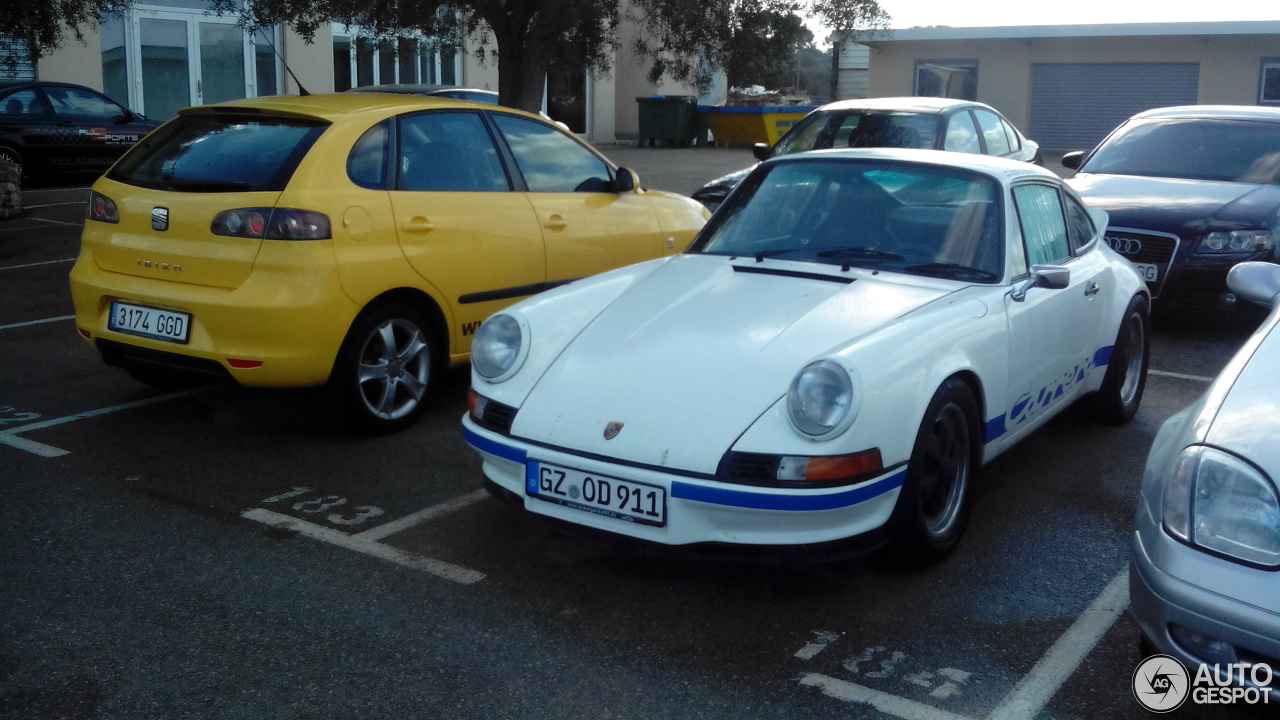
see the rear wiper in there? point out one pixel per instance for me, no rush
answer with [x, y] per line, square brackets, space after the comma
[951, 270]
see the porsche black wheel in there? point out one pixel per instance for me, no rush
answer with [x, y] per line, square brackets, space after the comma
[937, 495]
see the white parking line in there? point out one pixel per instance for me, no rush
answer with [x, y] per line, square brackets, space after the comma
[458, 574]
[408, 521]
[37, 322]
[35, 264]
[10, 437]
[1181, 376]
[1034, 691]
[882, 701]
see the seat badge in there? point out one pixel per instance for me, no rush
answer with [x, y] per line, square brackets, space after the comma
[611, 430]
[160, 218]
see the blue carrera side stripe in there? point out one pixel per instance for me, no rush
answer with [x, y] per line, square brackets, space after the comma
[995, 428]
[1103, 356]
[484, 444]
[767, 501]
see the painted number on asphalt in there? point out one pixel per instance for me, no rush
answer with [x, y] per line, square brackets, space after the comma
[880, 662]
[358, 514]
[9, 415]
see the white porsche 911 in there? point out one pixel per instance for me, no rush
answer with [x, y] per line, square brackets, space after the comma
[848, 339]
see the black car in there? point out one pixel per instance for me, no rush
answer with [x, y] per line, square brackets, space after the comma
[1191, 191]
[53, 128]
[907, 122]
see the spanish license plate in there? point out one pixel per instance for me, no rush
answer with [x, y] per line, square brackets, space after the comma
[625, 500]
[1149, 271]
[149, 322]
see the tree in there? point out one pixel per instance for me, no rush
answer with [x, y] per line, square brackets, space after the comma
[45, 24]
[764, 47]
[681, 39]
[685, 40]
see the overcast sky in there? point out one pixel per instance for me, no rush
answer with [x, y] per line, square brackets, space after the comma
[983, 13]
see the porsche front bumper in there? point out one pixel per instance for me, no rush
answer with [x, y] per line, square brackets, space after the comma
[698, 509]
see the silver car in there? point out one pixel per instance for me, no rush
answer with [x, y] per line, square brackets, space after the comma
[1205, 576]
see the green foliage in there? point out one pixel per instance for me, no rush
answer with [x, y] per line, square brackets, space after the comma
[764, 47]
[685, 40]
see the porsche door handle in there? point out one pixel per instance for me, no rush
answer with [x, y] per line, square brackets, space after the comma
[418, 224]
[1092, 289]
[555, 222]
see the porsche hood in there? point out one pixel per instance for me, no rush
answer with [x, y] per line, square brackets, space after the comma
[690, 357]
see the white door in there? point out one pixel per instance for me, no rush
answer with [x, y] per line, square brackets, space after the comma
[1051, 331]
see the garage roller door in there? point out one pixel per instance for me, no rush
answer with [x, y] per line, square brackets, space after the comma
[1074, 106]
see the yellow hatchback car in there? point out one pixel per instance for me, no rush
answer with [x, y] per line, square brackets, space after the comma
[352, 239]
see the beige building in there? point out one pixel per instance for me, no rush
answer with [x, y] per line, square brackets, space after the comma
[1067, 86]
[163, 55]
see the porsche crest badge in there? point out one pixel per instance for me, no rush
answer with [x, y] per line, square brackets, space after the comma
[611, 430]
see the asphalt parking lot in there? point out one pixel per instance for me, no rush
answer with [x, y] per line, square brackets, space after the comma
[231, 553]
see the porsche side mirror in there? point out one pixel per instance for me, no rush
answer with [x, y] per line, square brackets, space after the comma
[1052, 277]
[761, 151]
[1257, 282]
[1071, 160]
[625, 180]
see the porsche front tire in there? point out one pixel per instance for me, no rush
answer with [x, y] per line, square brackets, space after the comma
[937, 495]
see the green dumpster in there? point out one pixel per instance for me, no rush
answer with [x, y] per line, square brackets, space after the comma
[667, 117]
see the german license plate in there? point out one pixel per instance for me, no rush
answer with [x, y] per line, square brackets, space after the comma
[149, 322]
[1149, 271]
[625, 500]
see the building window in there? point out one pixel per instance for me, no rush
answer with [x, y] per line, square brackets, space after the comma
[1269, 84]
[947, 78]
[403, 60]
[15, 59]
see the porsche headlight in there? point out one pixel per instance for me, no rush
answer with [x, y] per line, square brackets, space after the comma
[499, 347]
[821, 400]
[1219, 502]
[1236, 241]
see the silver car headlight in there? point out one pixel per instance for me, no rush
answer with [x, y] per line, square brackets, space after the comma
[499, 347]
[1220, 502]
[822, 401]
[1236, 241]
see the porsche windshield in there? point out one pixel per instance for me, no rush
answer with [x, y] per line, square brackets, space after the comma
[904, 217]
[1194, 148]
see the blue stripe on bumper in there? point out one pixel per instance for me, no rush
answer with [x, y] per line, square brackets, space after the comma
[774, 501]
[483, 444]
[725, 496]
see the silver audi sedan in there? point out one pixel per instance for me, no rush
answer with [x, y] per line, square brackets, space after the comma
[1205, 576]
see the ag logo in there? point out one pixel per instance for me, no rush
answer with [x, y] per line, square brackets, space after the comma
[1161, 683]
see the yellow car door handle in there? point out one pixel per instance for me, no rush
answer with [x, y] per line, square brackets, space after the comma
[555, 222]
[418, 224]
